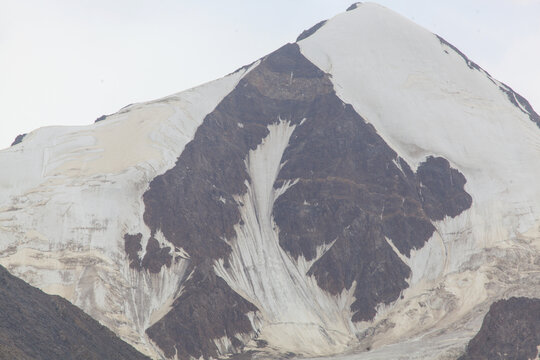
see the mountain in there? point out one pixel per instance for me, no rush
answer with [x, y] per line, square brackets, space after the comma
[367, 192]
[35, 326]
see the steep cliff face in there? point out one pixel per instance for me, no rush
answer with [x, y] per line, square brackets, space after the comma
[34, 325]
[366, 189]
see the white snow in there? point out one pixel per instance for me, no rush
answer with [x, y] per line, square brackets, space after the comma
[424, 100]
[297, 315]
[69, 194]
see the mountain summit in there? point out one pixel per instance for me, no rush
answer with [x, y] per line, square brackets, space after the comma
[367, 192]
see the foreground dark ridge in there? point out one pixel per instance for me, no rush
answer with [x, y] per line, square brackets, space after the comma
[511, 330]
[34, 325]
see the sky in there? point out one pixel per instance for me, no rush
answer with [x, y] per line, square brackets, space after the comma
[67, 62]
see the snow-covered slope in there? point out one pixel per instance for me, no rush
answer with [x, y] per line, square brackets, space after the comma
[367, 192]
[69, 194]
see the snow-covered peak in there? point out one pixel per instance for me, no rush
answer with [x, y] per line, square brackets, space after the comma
[424, 98]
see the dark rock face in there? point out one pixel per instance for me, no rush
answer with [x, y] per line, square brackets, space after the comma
[349, 191]
[353, 6]
[155, 257]
[101, 118]
[207, 309]
[441, 189]
[34, 325]
[307, 33]
[132, 245]
[510, 331]
[352, 189]
[18, 139]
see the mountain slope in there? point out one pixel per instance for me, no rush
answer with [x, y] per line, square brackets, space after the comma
[70, 194]
[365, 190]
[34, 325]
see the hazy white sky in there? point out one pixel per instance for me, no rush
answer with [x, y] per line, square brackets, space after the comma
[66, 62]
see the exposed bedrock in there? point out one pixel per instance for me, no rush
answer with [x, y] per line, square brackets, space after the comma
[511, 330]
[355, 191]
